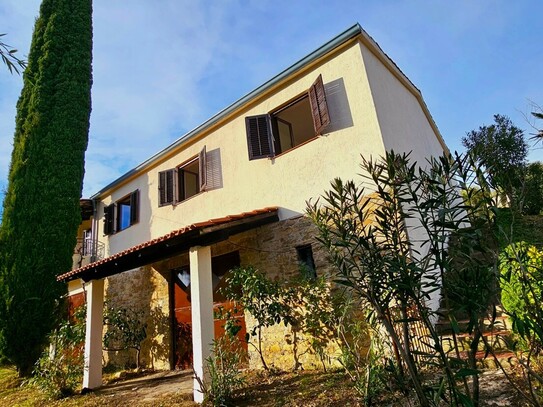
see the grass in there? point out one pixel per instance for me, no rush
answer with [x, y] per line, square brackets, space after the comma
[15, 392]
[284, 389]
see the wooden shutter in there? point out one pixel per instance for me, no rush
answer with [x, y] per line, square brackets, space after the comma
[134, 206]
[259, 136]
[202, 169]
[166, 188]
[319, 107]
[109, 217]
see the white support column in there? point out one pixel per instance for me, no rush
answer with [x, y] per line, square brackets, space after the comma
[92, 373]
[201, 290]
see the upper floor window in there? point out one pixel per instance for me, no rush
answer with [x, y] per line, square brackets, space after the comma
[121, 214]
[180, 183]
[289, 126]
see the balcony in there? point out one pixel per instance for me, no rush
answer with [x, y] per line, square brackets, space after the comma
[86, 251]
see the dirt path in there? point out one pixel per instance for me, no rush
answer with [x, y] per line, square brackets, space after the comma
[148, 388]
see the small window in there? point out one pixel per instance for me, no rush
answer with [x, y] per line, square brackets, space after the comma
[306, 262]
[177, 184]
[127, 211]
[188, 179]
[299, 121]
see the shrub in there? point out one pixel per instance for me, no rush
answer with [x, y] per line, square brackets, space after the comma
[126, 329]
[223, 368]
[59, 370]
[260, 297]
[521, 273]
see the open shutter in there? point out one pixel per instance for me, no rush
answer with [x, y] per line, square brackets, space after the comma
[319, 107]
[134, 206]
[166, 188]
[202, 164]
[109, 217]
[259, 136]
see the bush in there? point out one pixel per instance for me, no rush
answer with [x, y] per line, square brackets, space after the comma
[533, 189]
[59, 370]
[126, 329]
[223, 368]
[521, 273]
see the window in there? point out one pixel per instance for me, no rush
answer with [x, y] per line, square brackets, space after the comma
[126, 211]
[289, 126]
[177, 184]
[306, 262]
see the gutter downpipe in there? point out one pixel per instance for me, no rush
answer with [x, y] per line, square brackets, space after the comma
[94, 230]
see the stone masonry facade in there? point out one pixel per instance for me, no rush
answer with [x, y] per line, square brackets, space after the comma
[270, 249]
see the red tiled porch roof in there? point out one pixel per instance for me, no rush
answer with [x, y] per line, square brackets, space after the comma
[200, 233]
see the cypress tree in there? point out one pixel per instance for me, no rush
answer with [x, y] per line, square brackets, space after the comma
[41, 207]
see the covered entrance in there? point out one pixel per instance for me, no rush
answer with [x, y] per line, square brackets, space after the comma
[195, 239]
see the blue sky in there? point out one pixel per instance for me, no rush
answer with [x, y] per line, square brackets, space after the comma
[163, 67]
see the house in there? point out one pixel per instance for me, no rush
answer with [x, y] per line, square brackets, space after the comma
[233, 191]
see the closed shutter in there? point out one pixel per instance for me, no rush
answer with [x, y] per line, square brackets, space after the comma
[202, 168]
[319, 107]
[109, 217]
[134, 206]
[259, 136]
[166, 188]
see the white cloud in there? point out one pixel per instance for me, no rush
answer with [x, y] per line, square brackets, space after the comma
[163, 67]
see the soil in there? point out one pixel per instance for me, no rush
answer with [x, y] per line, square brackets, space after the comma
[147, 388]
[174, 388]
[304, 388]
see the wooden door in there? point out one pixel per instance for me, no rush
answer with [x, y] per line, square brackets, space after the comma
[182, 330]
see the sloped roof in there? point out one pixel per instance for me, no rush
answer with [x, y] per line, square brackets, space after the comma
[349, 34]
[200, 233]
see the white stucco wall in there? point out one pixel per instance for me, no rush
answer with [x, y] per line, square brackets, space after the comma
[405, 127]
[371, 111]
[286, 181]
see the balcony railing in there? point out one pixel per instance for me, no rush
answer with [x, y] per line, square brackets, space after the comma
[87, 251]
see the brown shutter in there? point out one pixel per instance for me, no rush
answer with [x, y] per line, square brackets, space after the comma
[259, 136]
[202, 168]
[319, 107]
[134, 206]
[166, 191]
[109, 217]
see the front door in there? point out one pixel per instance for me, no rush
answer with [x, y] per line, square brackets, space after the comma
[182, 329]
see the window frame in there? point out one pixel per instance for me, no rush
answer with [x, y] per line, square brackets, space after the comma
[261, 129]
[170, 186]
[181, 190]
[113, 213]
[304, 253]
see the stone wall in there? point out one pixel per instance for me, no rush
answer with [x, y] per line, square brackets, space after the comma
[146, 290]
[270, 248]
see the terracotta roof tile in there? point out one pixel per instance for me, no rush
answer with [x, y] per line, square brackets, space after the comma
[168, 236]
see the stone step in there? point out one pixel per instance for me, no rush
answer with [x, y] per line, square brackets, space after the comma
[500, 323]
[486, 361]
[496, 339]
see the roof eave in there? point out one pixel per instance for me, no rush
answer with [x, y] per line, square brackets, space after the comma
[348, 34]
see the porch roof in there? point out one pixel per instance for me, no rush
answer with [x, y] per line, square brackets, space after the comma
[198, 234]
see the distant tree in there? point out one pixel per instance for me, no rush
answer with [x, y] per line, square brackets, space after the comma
[533, 189]
[41, 206]
[538, 114]
[502, 150]
[9, 58]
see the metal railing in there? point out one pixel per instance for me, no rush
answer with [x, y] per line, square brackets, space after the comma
[89, 247]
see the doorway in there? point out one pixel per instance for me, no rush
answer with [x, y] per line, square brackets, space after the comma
[181, 304]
